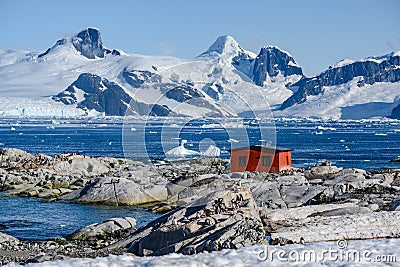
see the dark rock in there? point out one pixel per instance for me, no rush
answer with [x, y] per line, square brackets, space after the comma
[214, 90]
[272, 61]
[137, 78]
[40, 258]
[105, 96]
[88, 43]
[393, 206]
[342, 211]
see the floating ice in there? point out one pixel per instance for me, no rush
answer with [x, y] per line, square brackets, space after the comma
[181, 151]
[212, 151]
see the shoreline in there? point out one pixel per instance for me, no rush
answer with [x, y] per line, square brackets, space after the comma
[285, 206]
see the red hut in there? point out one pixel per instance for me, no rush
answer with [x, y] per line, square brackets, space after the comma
[260, 159]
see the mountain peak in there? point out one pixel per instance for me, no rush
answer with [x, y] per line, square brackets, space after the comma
[87, 42]
[272, 61]
[225, 45]
[88, 36]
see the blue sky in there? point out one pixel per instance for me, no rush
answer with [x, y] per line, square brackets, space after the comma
[317, 33]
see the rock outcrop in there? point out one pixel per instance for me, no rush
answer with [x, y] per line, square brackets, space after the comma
[118, 191]
[220, 220]
[270, 62]
[101, 234]
[7, 238]
[87, 167]
[92, 92]
[88, 43]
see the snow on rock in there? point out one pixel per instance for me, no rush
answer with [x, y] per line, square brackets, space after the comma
[347, 101]
[382, 252]
[8, 57]
[354, 226]
[88, 43]
[354, 77]
[226, 46]
[224, 81]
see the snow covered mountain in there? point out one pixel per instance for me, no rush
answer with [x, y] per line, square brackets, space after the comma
[349, 90]
[79, 76]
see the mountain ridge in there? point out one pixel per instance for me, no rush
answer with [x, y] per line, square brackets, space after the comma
[218, 82]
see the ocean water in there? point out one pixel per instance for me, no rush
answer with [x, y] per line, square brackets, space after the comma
[360, 144]
[35, 219]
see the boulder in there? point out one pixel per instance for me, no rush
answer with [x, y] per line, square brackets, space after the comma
[346, 182]
[118, 191]
[266, 194]
[108, 230]
[298, 195]
[321, 172]
[221, 220]
[351, 171]
[297, 179]
[82, 166]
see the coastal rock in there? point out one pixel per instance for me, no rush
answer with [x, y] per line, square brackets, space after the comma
[298, 195]
[51, 193]
[321, 172]
[82, 166]
[352, 171]
[291, 180]
[110, 229]
[222, 219]
[346, 182]
[118, 191]
[17, 159]
[15, 155]
[7, 238]
[266, 194]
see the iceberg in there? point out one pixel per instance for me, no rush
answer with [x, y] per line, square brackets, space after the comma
[181, 151]
[212, 151]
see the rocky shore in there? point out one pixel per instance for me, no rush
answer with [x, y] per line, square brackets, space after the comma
[208, 208]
